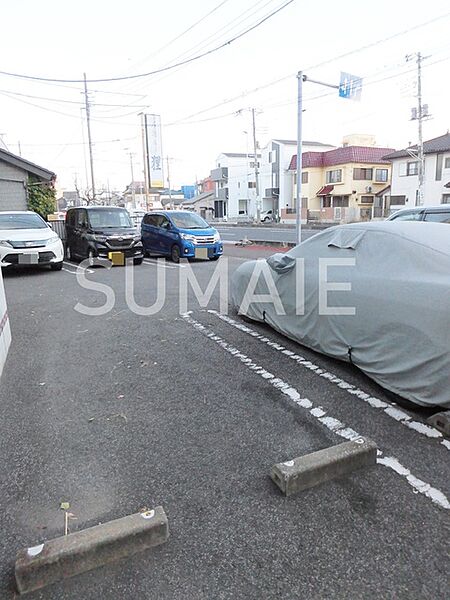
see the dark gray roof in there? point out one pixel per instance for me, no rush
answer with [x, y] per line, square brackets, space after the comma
[26, 165]
[439, 144]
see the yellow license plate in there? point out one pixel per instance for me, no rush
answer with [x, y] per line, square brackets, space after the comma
[117, 258]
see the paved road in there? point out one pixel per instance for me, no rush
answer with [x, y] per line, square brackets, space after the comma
[116, 412]
[263, 233]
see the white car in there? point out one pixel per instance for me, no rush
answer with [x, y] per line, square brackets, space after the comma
[266, 216]
[26, 239]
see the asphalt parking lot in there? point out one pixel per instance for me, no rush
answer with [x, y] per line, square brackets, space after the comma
[122, 411]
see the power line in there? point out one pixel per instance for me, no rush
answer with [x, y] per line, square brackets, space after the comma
[214, 37]
[180, 35]
[167, 68]
[320, 64]
[71, 101]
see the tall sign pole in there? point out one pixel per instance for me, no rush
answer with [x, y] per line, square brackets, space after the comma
[88, 121]
[350, 87]
[298, 194]
[144, 158]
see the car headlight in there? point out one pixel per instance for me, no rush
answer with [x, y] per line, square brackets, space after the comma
[99, 238]
[5, 243]
[187, 237]
[52, 240]
[217, 237]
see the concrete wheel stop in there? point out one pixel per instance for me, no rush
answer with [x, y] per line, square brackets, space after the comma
[90, 548]
[307, 471]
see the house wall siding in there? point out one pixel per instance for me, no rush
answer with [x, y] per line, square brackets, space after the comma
[13, 193]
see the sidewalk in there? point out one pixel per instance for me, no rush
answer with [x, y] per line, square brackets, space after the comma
[271, 225]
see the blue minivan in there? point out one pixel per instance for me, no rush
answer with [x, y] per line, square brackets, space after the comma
[179, 233]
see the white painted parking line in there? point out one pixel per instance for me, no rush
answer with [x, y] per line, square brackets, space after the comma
[69, 264]
[320, 414]
[162, 263]
[389, 409]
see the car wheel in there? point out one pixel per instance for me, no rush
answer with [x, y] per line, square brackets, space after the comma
[266, 219]
[56, 266]
[138, 261]
[214, 257]
[69, 254]
[175, 254]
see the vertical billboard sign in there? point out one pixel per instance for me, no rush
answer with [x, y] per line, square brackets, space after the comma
[154, 150]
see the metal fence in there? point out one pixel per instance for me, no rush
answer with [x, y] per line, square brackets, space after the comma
[59, 227]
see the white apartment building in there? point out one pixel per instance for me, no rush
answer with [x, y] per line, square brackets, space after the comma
[234, 178]
[276, 182]
[405, 178]
[235, 182]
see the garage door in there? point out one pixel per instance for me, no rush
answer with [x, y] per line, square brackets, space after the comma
[12, 195]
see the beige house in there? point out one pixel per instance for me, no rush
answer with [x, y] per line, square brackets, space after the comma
[342, 185]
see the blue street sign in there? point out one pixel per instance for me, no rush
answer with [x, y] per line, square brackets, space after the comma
[350, 86]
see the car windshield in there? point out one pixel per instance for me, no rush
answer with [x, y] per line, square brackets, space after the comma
[21, 221]
[189, 221]
[103, 218]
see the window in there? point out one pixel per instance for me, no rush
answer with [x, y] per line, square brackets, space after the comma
[381, 175]
[340, 201]
[252, 184]
[398, 200]
[408, 168]
[305, 177]
[439, 161]
[366, 199]
[149, 220]
[82, 219]
[334, 176]
[447, 163]
[326, 202]
[408, 215]
[363, 174]
[252, 165]
[445, 199]
[438, 217]
[21, 221]
[412, 168]
[242, 207]
[273, 156]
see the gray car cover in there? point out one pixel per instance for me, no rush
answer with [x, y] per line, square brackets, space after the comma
[399, 334]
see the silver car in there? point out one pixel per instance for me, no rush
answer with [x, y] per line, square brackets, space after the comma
[435, 214]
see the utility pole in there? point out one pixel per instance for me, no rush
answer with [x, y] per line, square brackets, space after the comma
[88, 121]
[419, 114]
[298, 194]
[168, 181]
[255, 156]
[419, 120]
[133, 191]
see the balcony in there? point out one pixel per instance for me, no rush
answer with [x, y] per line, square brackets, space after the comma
[272, 193]
[220, 174]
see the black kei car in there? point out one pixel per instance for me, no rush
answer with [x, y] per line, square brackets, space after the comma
[98, 231]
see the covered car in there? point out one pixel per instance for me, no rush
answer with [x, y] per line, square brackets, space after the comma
[373, 294]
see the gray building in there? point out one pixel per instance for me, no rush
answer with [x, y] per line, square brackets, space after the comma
[14, 173]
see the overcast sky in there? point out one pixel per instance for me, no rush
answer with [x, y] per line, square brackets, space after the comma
[61, 40]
